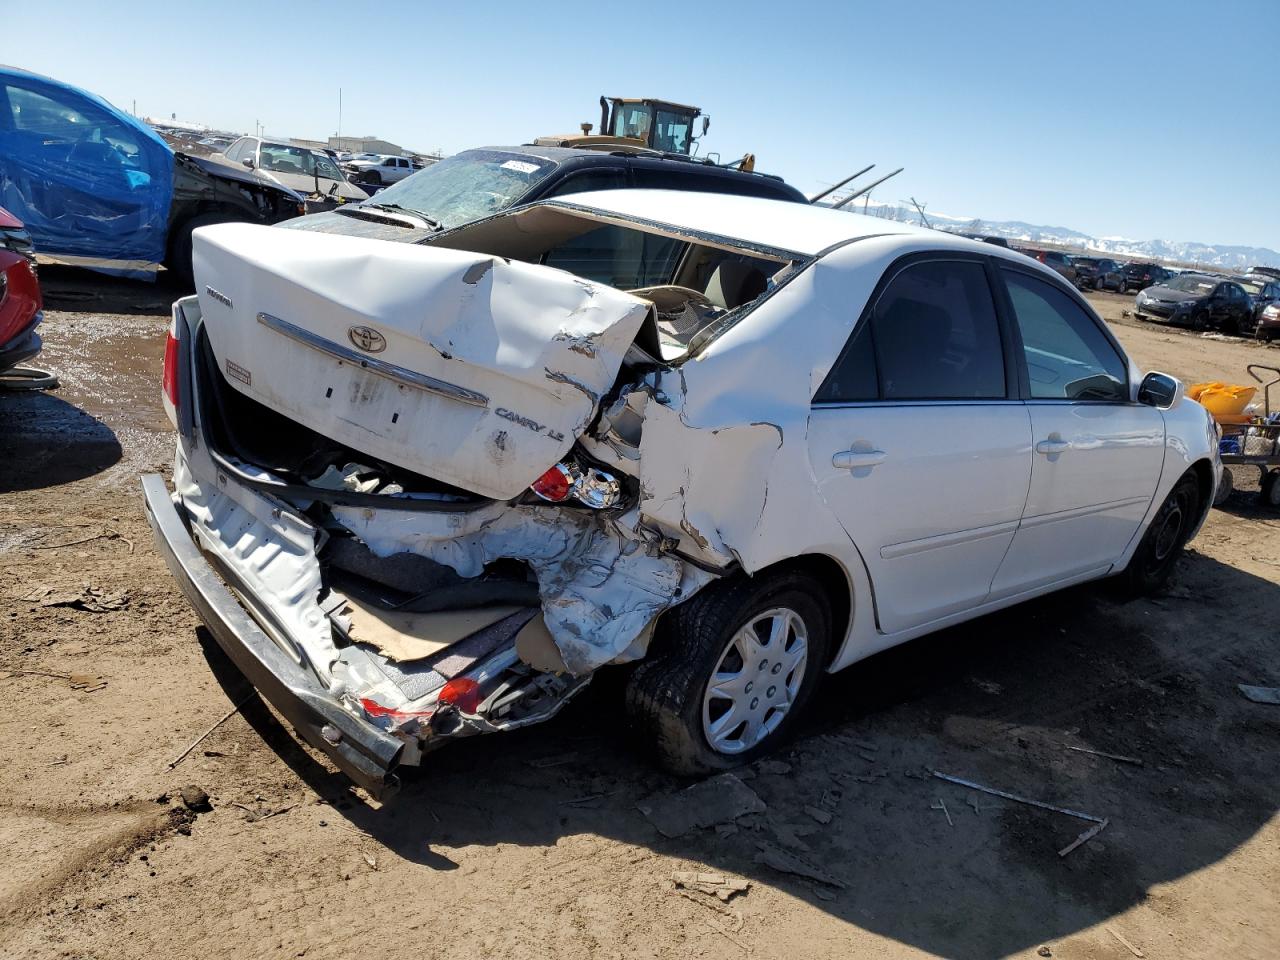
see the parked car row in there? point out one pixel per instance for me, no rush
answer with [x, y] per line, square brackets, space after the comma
[1205, 301]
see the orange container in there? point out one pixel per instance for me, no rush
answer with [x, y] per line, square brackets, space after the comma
[1224, 400]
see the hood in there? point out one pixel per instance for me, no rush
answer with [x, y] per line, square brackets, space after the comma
[1170, 295]
[472, 370]
[374, 226]
[230, 171]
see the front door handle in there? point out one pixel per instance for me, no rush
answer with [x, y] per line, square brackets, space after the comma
[1053, 445]
[857, 459]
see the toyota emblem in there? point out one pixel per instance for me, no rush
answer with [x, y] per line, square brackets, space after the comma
[367, 339]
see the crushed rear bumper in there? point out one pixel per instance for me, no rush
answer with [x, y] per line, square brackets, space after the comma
[366, 754]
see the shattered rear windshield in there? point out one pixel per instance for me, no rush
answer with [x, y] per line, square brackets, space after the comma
[468, 185]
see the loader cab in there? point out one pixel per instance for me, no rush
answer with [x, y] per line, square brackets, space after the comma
[657, 124]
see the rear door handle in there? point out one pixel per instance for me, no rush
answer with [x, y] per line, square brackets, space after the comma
[857, 459]
[1052, 446]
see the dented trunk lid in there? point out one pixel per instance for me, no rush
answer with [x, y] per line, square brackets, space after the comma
[466, 368]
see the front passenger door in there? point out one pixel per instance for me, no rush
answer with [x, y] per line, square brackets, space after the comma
[1098, 453]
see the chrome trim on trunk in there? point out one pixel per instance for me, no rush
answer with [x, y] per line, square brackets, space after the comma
[382, 368]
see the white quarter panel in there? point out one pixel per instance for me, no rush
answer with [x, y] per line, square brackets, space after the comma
[1093, 475]
[934, 518]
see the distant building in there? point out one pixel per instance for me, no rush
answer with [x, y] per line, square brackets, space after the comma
[364, 145]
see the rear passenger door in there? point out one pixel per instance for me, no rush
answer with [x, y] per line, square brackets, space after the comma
[1098, 453]
[919, 443]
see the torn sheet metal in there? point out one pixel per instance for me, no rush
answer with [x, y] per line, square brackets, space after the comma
[477, 371]
[600, 587]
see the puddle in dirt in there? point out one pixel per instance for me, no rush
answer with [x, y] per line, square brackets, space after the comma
[106, 415]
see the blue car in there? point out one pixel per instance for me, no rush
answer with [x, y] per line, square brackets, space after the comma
[98, 188]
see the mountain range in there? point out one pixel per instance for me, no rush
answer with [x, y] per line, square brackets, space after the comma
[1225, 257]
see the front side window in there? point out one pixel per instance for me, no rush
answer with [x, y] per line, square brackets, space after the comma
[79, 135]
[1068, 356]
[933, 335]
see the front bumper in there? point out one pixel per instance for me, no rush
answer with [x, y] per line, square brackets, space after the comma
[366, 754]
[20, 350]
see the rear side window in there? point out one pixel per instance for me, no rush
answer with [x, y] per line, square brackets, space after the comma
[1068, 356]
[622, 258]
[648, 178]
[932, 335]
[608, 178]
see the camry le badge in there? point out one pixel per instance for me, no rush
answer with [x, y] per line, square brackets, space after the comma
[367, 339]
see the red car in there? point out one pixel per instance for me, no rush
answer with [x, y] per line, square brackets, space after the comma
[20, 303]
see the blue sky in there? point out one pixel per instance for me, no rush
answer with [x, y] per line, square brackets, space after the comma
[1126, 118]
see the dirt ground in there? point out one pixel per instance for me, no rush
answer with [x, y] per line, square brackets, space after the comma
[531, 844]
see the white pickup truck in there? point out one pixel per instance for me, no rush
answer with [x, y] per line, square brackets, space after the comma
[383, 169]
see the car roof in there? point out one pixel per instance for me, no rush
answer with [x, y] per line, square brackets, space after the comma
[587, 156]
[800, 228]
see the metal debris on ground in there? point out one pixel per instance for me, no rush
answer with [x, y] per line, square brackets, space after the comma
[1085, 837]
[1102, 753]
[785, 862]
[104, 535]
[822, 816]
[1129, 946]
[1100, 823]
[718, 885]
[1260, 694]
[716, 800]
[221, 720]
[942, 805]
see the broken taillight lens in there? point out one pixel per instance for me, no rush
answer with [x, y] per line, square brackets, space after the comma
[170, 378]
[591, 487]
[554, 485]
[460, 692]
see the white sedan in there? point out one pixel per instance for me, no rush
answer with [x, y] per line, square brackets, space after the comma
[426, 491]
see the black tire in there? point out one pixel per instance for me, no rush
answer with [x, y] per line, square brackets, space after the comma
[179, 261]
[373, 176]
[1200, 321]
[25, 379]
[1226, 486]
[1270, 492]
[1162, 544]
[664, 696]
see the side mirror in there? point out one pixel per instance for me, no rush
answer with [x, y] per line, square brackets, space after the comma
[1160, 390]
[706, 123]
[248, 162]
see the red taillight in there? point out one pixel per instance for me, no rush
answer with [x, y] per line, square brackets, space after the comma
[461, 692]
[554, 485]
[171, 369]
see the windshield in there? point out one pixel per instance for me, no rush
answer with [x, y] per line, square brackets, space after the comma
[282, 158]
[1198, 285]
[468, 185]
[1251, 288]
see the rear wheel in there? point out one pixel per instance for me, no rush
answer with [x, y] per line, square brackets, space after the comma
[1168, 533]
[1270, 492]
[735, 666]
